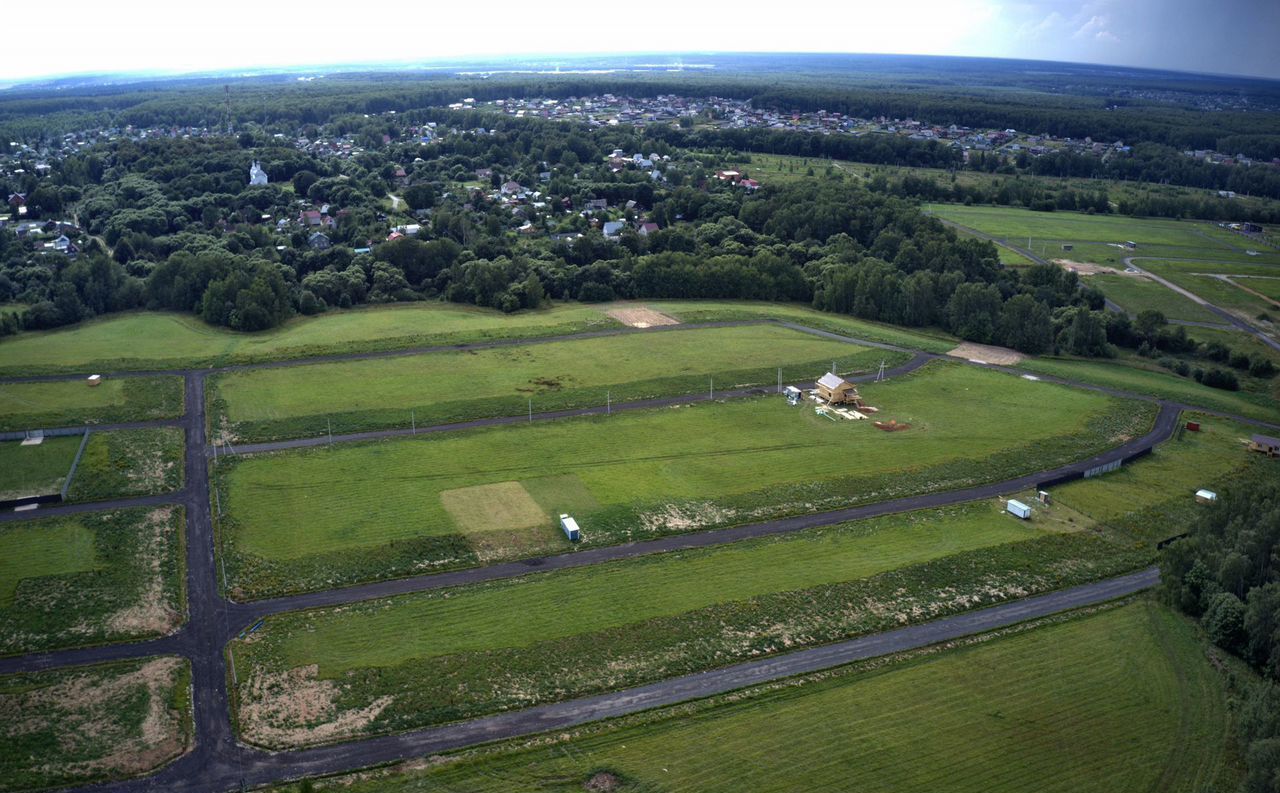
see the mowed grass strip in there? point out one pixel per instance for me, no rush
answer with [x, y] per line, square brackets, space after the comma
[89, 579]
[524, 611]
[36, 470]
[69, 403]
[651, 472]
[1121, 699]
[93, 723]
[445, 387]
[155, 340]
[1157, 383]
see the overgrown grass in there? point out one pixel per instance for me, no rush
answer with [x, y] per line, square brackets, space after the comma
[90, 579]
[68, 403]
[375, 510]
[1117, 699]
[125, 463]
[93, 723]
[349, 396]
[36, 470]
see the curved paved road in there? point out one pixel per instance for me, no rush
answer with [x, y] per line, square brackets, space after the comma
[218, 763]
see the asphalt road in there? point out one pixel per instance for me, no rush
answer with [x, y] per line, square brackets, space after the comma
[218, 763]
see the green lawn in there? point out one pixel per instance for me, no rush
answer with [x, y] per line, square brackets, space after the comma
[146, 340]
[376, 510]
[1136, 294]
[437, 388]
[1119, 700]
[63, 404]
[1267, 286]
[434, 657]
[78, 725]
[36, 470]
[1163, 384]
[125, 463]
[1217, 291]
[90, 579]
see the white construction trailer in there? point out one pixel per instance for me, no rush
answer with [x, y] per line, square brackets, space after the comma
[570, 528]
[1018, 509]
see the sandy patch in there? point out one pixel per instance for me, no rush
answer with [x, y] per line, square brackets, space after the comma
[987, 353]
[1087, 268]
[501, 506]
[295, 708]
[152, 613]
[642, 317]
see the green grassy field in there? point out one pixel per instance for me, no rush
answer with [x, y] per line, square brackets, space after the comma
[90, 579]
[1167, 385]
[1137, 294]
[125, 463]
[93, 723]
[1267, 286]
[1095, 237]
[382, 509]
[1119, 699]
[502, 645]
[1217, 291]
[36, 470]
[64, 404]
[439, 388]
[162, 340]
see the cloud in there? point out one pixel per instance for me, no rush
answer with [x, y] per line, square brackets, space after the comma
[1050, 22]
[1097, 28]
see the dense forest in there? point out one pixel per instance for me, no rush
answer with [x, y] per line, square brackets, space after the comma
[1227, 574]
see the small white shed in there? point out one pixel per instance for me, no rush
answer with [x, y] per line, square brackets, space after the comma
[1206, 496]
[94, 380]
[793, 395]
[570, 527]
[1017, 508]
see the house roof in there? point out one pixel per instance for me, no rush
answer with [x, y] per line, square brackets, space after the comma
[1266, 440]
[832, 380]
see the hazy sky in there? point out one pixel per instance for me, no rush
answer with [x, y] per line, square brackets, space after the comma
[1224, 36]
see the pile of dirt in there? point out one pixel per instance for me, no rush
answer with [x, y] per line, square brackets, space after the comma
[642, 317]
[891, 426]
[602, 782]
[987, 353]
[1086, 268]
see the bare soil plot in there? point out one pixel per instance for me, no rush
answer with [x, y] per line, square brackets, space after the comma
[1085, 268]
[641, 317]
[988, 353]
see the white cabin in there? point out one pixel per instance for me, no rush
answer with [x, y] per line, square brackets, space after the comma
[570, 527]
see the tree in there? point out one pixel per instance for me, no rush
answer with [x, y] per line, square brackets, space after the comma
[974, 310]
[1025, 325]
[1224, 622]
[1086, 335]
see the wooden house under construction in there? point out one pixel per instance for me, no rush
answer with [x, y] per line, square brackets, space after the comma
[1265, 444]
[835, 390]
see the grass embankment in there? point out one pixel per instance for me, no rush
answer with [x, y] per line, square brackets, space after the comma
[90, 579]
[439, 388]
[93, 723]
[69, 403]
[151, 340]
[379, 510]
[1117, 699]
[1101, 238]
[126, 463]
[36, 470]
[1136, 294]
[503, 645]
[1126, 375]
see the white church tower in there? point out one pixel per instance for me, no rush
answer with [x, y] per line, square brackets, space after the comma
[256, 174]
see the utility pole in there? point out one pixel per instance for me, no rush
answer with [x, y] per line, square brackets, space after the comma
[608, 403]
[779, 379]
[713, 388]
[530, 410]
[329, 422]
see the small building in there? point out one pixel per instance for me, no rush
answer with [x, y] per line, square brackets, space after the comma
[1130, 244]
[835, 390]
[256, 174]
[793, 395]
[613, 228]
[570, 528]
[1265, 444]
[319, 241]
[1018, 509]
[1066, 246]
[94, 380]
[1206, 496]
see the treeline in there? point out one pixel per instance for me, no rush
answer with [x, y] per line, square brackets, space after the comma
[1226, 573]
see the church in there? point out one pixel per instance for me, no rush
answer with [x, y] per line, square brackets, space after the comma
[256, 174]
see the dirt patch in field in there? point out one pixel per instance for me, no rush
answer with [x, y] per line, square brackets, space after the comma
[501, 506]
[602, 782]
[987, 353]
[296, 708]
[642, 317]
[1087, 268]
